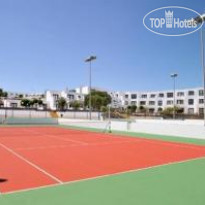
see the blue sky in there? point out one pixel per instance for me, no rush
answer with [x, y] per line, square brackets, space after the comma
[43, 44]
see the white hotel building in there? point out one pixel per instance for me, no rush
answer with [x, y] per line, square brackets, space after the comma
[52, 97]
[190, 100]
[78, 94]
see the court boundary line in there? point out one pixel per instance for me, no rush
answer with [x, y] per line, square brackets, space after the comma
[116, 135]
[119, 136]
[136, 139]
[174, 144]
[101, 176]
[108, 143]
[157, 141]
[131, 133]
[65, 140]
[58, 138]
[73, 145]
[31, 164]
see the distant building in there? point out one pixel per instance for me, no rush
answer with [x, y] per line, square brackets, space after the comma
[52, 97]
[85, 89]
[191, 101]
[11, 103]
[13, 100]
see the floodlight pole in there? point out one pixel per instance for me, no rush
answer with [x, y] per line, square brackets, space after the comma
[90, 96]
[109, 117]
[174, 102]
[90, 59]
[200, 20]
[203, 67]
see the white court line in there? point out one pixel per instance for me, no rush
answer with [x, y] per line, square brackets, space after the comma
[63, 139]
[30, 163]
[103, 176]
[59, 138]
[136, 138]
[174, 144]
[161, 141]
[73, 145]
[151, 141]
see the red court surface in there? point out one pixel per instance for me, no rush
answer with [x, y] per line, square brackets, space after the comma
[33, 157]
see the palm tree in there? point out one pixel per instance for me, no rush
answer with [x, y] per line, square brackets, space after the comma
[62, 104]
[26, 103]
[76, 105]
[1, 103]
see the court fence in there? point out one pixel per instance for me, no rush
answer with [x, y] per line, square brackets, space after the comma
[33, 116]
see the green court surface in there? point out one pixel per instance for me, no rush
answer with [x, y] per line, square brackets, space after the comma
[175, 184]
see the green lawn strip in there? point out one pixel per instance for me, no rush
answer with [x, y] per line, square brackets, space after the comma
[178, 184]
[144, 135]
[163, 137]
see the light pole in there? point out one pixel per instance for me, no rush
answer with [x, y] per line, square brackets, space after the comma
[200, 20]
[109, 117]
[89, 60]
[203, 66]
[174, 75]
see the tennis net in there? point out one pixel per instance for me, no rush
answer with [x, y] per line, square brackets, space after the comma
[102, 126]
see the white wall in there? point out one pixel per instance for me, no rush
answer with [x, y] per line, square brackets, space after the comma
[189, 128]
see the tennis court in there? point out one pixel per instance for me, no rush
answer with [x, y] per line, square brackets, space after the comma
[36, 157]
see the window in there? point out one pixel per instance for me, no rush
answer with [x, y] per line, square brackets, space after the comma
[133, 102]
[201, 101]
[143, 96]
[191, 111]
[151, 110]
[71, 97]
[126, 96]
[161, 95]
[180, 94]
[151, 102]
[201, 111]
[191, 92]
[170, 95]
[159, 103]
[180, 102]
[126, 102]
[142, 102]
[152, 95]
[56, 96]
[169, 102]
[14, 105]
[201, 93]
[133, 96]
[191, 101]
